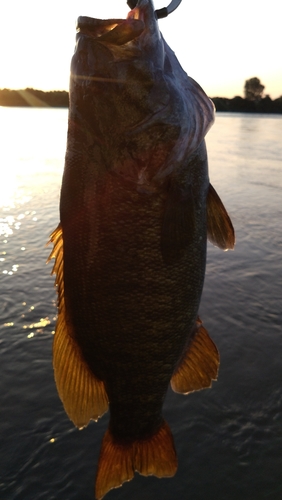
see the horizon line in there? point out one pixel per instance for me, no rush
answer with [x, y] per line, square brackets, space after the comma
[67, 91]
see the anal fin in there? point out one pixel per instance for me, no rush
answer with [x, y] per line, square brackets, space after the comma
[83, 395]
[199, 365]
[118, 461]
[219, 226]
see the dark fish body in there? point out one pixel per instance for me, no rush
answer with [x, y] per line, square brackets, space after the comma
[131, 245]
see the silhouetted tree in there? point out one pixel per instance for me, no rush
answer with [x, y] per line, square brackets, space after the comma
[278, 104]
[266, 105]
[253, 89]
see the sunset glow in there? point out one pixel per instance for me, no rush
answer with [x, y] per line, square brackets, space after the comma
[219, 45]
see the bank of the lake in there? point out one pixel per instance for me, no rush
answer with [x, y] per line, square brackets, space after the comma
[60, 98]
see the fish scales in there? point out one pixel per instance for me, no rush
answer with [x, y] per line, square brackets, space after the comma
[135, 211]
[133, 307]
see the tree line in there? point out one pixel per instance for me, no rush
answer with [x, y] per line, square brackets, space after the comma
[254, 100]
[239, 105]
[33, 97]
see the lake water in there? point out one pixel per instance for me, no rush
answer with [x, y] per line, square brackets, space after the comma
[229, 438]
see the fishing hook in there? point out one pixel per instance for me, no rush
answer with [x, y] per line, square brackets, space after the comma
[160, 13]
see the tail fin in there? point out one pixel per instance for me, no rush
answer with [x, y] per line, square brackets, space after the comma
[118, 462]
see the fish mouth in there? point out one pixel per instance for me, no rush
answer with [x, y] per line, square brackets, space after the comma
[110, 31]
[118, 31]
[97, 27]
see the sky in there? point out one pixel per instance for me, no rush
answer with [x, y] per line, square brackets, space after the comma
[218, 43]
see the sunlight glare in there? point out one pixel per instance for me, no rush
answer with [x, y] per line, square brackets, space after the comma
[216, 54]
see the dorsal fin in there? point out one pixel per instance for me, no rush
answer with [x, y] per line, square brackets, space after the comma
[84, 396]
[199, 364]
[220, 230]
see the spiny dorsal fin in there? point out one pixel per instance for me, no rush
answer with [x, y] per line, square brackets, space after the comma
[118, 461]
[199, 364]
[83, 395]
[219, 226]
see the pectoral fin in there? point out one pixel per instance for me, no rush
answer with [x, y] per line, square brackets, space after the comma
[178, 222]
[199, 364]
[84, 396]
[220, 230]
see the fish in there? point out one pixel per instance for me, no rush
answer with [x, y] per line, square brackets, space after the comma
[136, 209]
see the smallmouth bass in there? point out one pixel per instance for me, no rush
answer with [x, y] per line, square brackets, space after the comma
[135, 211]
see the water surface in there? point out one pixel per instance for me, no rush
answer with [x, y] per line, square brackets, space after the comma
[228, 439]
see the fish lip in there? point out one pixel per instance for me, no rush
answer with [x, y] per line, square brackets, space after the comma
[96, 27]
[110, 31]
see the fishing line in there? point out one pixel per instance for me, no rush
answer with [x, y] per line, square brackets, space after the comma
[160, 13]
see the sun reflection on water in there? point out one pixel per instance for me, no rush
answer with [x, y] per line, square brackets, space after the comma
[31, 163]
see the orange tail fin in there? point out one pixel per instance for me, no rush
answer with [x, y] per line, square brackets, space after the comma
[118, 462]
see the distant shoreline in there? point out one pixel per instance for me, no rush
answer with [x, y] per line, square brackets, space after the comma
[60, 99]
[34, 98]
[239, 105]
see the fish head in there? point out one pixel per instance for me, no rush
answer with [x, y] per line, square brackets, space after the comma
[130, 95]
[136, 37]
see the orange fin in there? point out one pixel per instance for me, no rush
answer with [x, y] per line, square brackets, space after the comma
[220, 229]
[199, 365]
[118, 462]
[84, 396]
